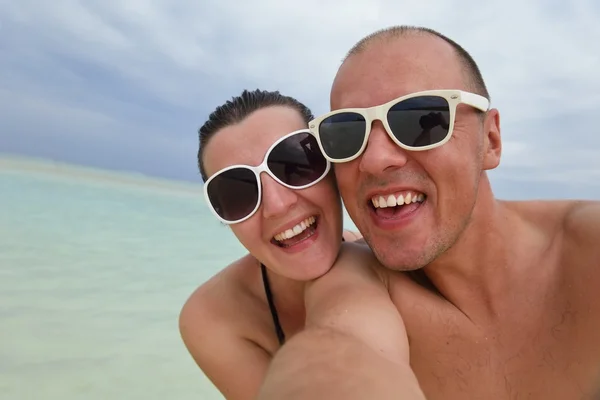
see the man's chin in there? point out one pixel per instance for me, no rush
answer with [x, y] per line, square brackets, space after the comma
[406, 261]
[398, 255]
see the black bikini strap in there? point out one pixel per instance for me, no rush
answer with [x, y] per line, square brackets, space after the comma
[278, 329]
[272, 308]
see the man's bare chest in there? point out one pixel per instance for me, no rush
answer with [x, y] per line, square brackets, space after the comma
[550, 360]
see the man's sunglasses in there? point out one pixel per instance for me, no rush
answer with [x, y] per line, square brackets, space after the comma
[416, 122]
[295, 161]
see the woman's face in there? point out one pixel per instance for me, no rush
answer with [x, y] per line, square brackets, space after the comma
[314, 214]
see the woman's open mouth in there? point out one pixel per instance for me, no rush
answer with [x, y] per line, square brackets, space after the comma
[297, 234]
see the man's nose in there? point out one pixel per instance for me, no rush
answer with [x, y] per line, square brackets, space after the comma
[381, 152]
[277, 199]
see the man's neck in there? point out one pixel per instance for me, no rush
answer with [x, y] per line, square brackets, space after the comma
[481, 267]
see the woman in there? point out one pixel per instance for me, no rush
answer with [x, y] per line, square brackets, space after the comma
[289, 218]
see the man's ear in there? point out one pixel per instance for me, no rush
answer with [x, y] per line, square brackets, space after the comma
[492, 142]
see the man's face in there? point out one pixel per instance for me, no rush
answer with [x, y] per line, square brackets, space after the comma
[447, 178]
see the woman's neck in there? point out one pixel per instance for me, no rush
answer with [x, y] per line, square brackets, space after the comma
[288, 297]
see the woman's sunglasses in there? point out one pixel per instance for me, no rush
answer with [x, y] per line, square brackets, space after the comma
[416, 122]
[295, 161]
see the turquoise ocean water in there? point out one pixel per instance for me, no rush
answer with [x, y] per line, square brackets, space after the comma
[94, 268]
[93, 272]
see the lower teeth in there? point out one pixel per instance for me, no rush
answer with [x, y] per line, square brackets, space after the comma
[390, 212]
[298, 238]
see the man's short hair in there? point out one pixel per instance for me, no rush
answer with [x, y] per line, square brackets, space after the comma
[472, 72]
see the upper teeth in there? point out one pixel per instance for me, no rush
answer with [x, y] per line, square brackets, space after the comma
[398, 199]
[296, 230]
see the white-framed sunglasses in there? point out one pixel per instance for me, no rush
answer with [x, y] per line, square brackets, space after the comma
[295, 161]
[416, 122]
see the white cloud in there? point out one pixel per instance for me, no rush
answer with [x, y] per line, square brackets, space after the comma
[540, 61]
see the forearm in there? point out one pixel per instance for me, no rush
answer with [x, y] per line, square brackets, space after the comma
[322, 364]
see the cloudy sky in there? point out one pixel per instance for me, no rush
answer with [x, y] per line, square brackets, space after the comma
[126, 84]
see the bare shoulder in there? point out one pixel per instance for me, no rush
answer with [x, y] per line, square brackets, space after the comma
[220, 295]
[355, 274]
[582, 223]
[580, 244]
[355, 259]
[221, 326]
[351, 293]
[547, 215]
[574, 227]
[213, 309]
[574, 224]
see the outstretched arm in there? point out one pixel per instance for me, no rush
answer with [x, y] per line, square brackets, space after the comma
[326, 364]
[354, 345]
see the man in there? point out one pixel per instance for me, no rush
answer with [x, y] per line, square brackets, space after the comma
[502, 300]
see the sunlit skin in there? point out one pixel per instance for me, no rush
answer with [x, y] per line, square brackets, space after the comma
[282, 208]
[506, 304]
[501, 300]
[320, 286]
[226, 324]
[449, 175]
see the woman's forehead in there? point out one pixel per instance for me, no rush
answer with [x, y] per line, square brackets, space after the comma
[247, 141]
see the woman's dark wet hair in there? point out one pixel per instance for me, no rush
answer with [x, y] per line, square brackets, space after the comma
[240, 107]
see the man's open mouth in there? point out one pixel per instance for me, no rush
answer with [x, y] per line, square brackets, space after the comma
[395, 205]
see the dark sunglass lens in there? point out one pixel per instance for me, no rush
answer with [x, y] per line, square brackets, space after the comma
[342, 134]
[420, 121]
[297, 160]
[233, 193]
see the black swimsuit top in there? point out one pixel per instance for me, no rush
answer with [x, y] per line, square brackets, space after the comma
[278, 329]
[274, 315]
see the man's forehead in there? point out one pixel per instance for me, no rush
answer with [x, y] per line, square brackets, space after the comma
[390, 68]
